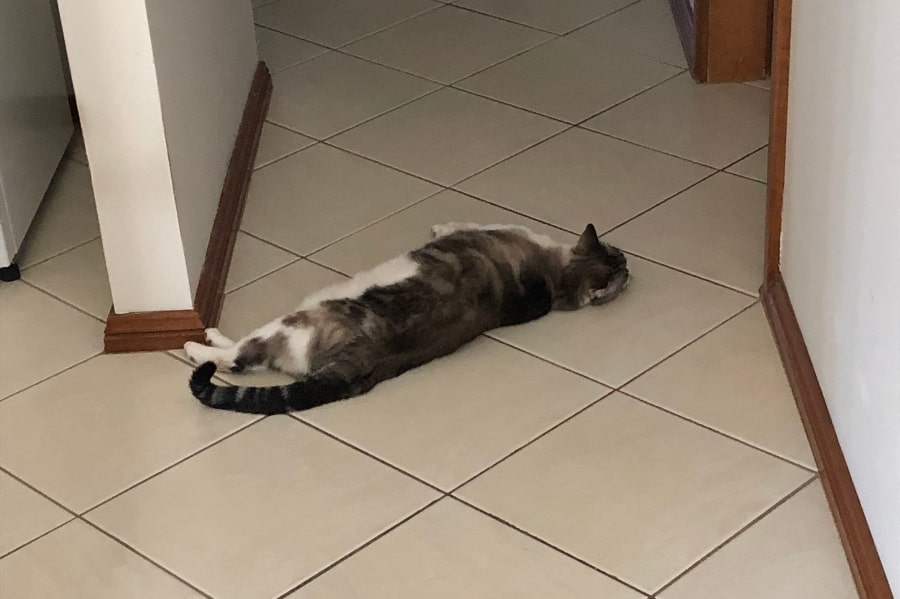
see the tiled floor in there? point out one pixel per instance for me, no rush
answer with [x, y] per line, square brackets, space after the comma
[650, 447]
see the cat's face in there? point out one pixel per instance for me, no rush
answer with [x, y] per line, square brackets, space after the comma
[596, 274]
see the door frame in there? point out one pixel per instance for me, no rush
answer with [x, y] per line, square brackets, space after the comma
[859, 546]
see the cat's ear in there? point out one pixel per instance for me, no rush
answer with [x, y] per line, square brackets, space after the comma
[589, 244]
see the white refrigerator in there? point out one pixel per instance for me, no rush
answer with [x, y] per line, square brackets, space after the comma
[35, 120]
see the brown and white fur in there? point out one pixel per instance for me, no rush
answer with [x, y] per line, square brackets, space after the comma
[345, 339]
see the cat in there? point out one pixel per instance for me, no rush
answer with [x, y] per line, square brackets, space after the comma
[347, 338]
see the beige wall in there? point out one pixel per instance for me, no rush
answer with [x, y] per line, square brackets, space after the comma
[205, 54]
[841, 238]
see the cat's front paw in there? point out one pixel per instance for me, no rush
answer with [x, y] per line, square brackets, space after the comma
[443, 229]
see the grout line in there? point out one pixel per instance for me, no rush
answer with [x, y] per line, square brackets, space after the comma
[58, 254]
[720, 432]
[173, 464]
[47, 378]
[746, 294]
[364, 545]
[37, 538]
[295, 415]
[606, 16]
[365, 120]
[660, 203]
[629, 98]
[547, 543]
[294, 259]
[144, 556]
[353, 41]
[9, 473]
[572, 416]
[469, 9]
[686, 345]
[375, 222]
[568, 369]
[270, 242]
[646, 147]
[732, 537]
[37, 287]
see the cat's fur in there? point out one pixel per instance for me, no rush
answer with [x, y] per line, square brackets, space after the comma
[345, 339]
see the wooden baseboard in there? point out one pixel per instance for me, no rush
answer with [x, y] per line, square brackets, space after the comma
[211, 288]
[684, 23]
[151, 331]
[725, 41]
[859, 546]
[147, 331]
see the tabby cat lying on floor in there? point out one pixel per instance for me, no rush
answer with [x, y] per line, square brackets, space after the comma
[345, 339]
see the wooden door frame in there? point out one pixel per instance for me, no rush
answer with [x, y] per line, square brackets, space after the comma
[859, 546]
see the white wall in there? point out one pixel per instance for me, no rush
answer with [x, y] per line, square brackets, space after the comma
[111, 61]
[161, 87]
[841, 237]
[205, 53]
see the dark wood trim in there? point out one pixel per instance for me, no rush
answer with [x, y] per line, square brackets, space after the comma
[211, 287]
[150, 331]
[731, 40]
[778, 114]
[684, 23]
[868, 572]
[146, 331]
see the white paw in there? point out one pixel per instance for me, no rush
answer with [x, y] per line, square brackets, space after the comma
[217, 339]
[195, 351]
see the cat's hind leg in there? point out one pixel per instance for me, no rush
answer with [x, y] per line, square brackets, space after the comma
[215, 338]
[223, 357]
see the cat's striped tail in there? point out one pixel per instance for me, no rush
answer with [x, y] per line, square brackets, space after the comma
[306, 393]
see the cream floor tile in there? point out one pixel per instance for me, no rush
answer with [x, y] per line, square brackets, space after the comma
[755, 166]
[274, 295]
[77, 276]
[733, 381]
[277, 142]
[559, 16]
[31, 322]
[280, 51]
[253, 259]
[77, 562]
[448, 135]
[25, 515]
[715, 230]
[568, 80]
[661, 311]
[662, 491]
[646, 28]
[321, 194]
[447, 44]
[579, 177]
[67, 216]
[334, 92]
[448, 420]
[451, 551]
[333, 23]
[793, 552]
[92, 431]
[711, 124]
[411, 228]
[305, 500]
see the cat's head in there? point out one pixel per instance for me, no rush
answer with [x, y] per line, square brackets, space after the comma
[596, 273]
